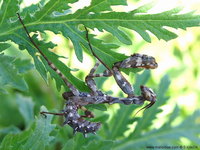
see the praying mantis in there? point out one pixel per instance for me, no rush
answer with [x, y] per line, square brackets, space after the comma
[76, 99]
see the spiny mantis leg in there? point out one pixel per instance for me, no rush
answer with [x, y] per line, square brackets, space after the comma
[90, 81]
[147, 94]
[92, 51]
[69, 85]
[134, 61]
[51, 113]
[121, 81]
[88, 114]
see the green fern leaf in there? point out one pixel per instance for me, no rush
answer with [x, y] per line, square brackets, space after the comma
[36, 137]
[25, 106]
[9, 75]
[166, 135]
[56, 17]
[4, 46]
[102, 145]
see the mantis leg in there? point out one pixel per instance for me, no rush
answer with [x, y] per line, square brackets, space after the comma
[90, 79]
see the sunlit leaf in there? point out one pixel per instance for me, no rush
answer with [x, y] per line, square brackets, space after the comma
[4, 46]
[9, 74]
